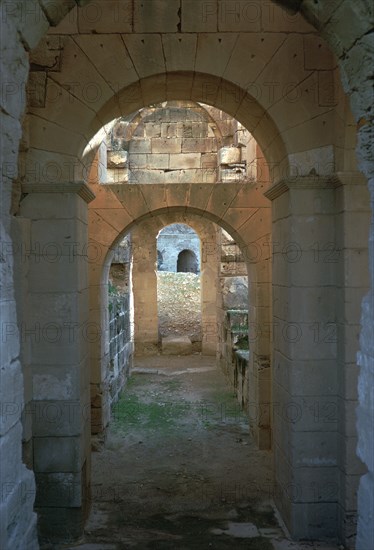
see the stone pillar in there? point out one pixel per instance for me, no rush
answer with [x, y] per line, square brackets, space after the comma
[353, 221]
[17, 516]
[144, 279]
[365, 410]
[57, 334]
[258, 255]
[305, 383]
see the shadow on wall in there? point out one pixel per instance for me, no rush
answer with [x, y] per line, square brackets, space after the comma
[187, 262]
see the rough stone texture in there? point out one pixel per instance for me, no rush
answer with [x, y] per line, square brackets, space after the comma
[177, 142]
[179, 306]
[158, 136]
[17, 518]
[120, 345]
[176, 345]
[117, 159]
[235, 292]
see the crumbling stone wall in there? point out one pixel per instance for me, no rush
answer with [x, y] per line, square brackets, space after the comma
[180, 142]
[120, 344]
[247, 370]
[170, 143]
[118, 361]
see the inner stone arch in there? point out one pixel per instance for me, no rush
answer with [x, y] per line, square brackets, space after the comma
[223, 96]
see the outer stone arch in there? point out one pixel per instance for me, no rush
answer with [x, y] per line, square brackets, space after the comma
[323, 16]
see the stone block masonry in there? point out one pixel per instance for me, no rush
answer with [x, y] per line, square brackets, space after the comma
[58, 355]
[170, 145]
[173, 143]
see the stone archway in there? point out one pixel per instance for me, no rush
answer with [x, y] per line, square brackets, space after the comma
[144, 233]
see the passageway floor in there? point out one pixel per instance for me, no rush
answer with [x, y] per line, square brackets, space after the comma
[179, 470]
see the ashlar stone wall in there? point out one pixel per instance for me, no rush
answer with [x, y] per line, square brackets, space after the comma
[180, 142]
[120, 344]
[168, 143]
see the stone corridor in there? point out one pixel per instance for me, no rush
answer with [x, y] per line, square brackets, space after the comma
[173, 471]
[250, 121]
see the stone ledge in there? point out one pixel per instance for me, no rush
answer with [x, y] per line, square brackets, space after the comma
[176, 345]
[80, 189]
[302, 182]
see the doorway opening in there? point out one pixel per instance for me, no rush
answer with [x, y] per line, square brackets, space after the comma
[187, 262]
[179, 287]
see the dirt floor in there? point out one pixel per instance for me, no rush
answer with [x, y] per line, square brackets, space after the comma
[179, 470]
